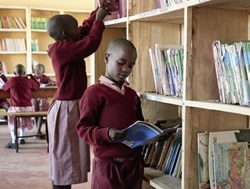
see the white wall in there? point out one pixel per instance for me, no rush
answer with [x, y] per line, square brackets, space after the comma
[57, 4]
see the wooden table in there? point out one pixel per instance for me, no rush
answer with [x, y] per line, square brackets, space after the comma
[48, 91]
[17, 115]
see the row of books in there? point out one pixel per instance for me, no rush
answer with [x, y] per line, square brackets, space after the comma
[39, 23]
[117, 9]
[232, 65]
[11, 22]
[168, 3]
[224, 159]
[165, 153]
[167, 67]
[12, 44]
[34, 45]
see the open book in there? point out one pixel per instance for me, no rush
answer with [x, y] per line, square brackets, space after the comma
[142, 132]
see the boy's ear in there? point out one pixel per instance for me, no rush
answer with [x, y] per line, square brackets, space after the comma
[106, 57]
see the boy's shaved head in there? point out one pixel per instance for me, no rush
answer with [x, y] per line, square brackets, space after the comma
[113, 44]
[59, 26]
[120, 59]
[20, 69]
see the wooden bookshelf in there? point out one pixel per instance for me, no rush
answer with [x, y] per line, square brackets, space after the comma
[10, 32]
[195, 24]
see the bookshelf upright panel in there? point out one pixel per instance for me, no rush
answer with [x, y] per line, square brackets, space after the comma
[224, 25]
[208, 22]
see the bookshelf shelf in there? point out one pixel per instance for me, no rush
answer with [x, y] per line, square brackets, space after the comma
[166, 182]
[12, 30]
[37, 30]
[13, 52]
[194, 24]
[160, 15]
[120, 23]
[217, 106]
[161, 98]
[40, 52]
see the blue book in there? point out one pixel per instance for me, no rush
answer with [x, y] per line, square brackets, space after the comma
[175, 157]
[171, 157]
[142, 132]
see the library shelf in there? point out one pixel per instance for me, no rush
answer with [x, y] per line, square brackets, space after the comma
[194, 24]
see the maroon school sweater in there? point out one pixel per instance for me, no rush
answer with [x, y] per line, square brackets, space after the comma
[21, 90]
[43, 79]
[103, 108]
[68, 59]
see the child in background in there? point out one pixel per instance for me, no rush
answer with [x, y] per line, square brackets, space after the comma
[4, 104]
[20, 88]
[70, 156]
[41, 104]
[106, 109]
[41, 77]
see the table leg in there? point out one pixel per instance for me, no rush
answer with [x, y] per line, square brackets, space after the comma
[16, 133]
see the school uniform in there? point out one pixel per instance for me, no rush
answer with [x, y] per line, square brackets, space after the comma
[69, 155]
[20, 99]
[105, 106]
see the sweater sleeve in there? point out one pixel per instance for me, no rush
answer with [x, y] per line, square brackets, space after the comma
[87, 127]
[87, 24]
[6, 86]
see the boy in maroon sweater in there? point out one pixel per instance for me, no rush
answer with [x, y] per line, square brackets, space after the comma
[106, 109]
[70, 156]
[20, 88]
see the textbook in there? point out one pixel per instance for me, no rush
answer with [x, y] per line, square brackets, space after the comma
[142, 132]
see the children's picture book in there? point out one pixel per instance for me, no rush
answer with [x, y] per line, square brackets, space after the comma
[142, 132]
[223, 137]
[232, 165]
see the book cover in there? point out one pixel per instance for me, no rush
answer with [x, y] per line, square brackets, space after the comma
[232, 165]
[142, 132]
[203, 171]
[223, 137]
[164, 152]
[157, 153]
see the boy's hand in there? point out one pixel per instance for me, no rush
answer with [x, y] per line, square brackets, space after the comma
[102, 12]
[115, 134]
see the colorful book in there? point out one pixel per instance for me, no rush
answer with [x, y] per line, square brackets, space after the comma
[231, 163]
[142, 132]
[223, 137]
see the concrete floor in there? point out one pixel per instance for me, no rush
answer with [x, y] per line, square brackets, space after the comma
[27, 169]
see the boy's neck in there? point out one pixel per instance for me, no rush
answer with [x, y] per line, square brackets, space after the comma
[116, 83]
